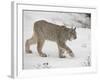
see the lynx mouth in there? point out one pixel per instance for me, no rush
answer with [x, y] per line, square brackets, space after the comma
[71, 39]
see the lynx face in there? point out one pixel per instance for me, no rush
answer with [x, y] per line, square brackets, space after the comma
[73, 34]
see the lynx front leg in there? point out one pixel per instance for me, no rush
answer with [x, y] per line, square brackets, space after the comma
[61, 52]
[63, 45]
[39, 47]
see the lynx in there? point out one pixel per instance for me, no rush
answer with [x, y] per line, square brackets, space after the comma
[44, 30]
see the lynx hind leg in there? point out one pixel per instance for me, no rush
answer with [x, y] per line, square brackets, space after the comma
[61, 52]
[28, 43]
[40, 43]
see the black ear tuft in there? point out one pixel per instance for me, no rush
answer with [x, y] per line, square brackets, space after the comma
[75, 28]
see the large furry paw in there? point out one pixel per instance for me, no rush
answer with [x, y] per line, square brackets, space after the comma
[62, 56]
[71, 54]
[28, 51]
[43, 55]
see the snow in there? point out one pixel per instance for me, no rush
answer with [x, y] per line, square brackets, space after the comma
[81, 46]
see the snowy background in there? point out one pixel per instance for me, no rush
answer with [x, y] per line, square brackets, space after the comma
[81, 46]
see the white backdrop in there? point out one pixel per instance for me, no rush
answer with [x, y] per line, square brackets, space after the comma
[5, 38]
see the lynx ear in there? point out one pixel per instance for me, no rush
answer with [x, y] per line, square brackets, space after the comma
[75, 28]
[72, 27]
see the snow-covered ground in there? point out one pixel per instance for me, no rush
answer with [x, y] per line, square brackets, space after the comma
[80, 47]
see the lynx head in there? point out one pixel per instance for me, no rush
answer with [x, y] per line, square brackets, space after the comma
[72, 33]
